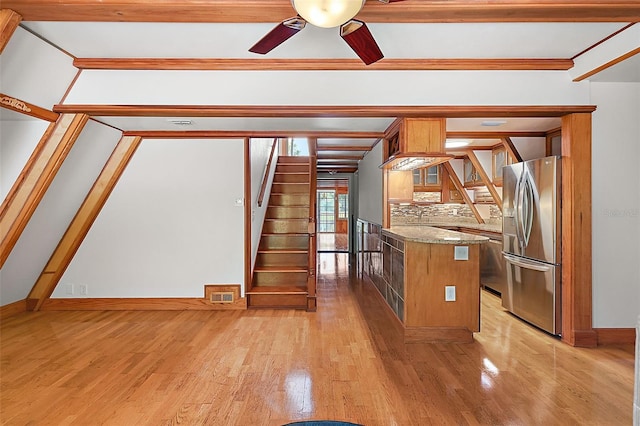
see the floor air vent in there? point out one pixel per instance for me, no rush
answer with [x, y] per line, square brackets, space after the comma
[221, 297]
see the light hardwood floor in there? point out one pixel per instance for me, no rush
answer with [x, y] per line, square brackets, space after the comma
[265, 367]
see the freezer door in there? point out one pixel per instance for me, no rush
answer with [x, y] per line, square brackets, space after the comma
[534, 292]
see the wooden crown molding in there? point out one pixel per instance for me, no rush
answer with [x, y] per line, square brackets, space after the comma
[462, 111]
[268, 64]
[276, 10]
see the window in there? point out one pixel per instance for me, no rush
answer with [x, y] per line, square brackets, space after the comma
[343, 206]
[298, 147]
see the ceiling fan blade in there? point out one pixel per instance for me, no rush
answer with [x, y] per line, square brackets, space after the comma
[359, 38]
[281, 33]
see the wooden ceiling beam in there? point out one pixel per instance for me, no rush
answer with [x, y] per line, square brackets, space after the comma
[410, 11]
[196, 134]
[329, 111]
[9, 21]
[494, 135]
[343, 148]
[324, 64]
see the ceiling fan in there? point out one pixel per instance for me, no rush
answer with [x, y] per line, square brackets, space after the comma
[326, 14]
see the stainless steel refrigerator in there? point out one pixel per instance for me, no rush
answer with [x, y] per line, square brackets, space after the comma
[531, 231]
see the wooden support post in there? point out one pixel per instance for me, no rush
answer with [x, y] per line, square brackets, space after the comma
[81, 223]
[312, 276]
[577, 328]
[485, 178]
[34, 180]
[248, 209]
[9, 21]
[460, 187]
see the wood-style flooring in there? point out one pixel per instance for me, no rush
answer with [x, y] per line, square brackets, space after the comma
[266, 367]
[330, 241]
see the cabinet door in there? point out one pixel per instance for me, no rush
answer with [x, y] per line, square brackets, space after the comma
[499, 161]
[470, 174]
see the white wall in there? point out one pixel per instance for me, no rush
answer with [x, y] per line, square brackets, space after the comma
[370, 186]
[18, 138]
[170, 225]
[56, 210]
[259, 151]
[346, 88]
[40, 77]
[530, 148]
[616, 204]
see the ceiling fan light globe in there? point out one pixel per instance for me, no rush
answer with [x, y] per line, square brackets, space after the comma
[327, 13]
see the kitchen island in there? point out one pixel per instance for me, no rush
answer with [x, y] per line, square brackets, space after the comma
[430, 278]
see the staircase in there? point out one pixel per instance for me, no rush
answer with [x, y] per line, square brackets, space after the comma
[284, 273]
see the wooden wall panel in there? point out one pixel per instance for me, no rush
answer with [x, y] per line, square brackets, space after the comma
[35, 178]
[576, 231]
[82, 221]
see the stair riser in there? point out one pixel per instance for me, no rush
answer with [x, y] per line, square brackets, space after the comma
[284, 242]
[270, 301]
[289, 159]
[292, 168]
[292, 226]
[288, 213]
[279, 279]
[289, 200]
[288, 188]
[291, 178]
[282, 259]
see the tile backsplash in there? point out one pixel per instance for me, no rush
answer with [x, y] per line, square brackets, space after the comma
[411, 214]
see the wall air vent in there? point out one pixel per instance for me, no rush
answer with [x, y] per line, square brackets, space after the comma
[180, 122]
[221, 297]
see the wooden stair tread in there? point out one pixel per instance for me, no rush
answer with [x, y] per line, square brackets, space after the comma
[278, 290]
[286, 219]
[295, 234]
[280, 269]
[283, 251]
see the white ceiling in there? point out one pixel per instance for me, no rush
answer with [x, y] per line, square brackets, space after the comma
[552, 40]
[424, 40]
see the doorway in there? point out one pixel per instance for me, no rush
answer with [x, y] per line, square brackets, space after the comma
[333, 215]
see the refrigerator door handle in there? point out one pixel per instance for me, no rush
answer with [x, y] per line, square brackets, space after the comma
[527, 209]
[525, 264]
[518, 210]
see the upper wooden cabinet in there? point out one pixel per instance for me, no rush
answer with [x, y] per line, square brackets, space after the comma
[500, 158]
[471, 175]
[427, 179]
[411, 141]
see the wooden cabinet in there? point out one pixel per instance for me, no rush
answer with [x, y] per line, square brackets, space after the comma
[399, 184]
[471, 175]
[500, 158]
[427, 179]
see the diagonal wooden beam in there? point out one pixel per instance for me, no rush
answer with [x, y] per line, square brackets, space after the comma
[9, 21]
[485, 178]
[460, 187]
[511, 149]
[81, 223]
[23, 107]
[35, 178]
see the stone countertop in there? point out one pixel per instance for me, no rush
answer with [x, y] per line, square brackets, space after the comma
[431, 235]
[489, 227]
